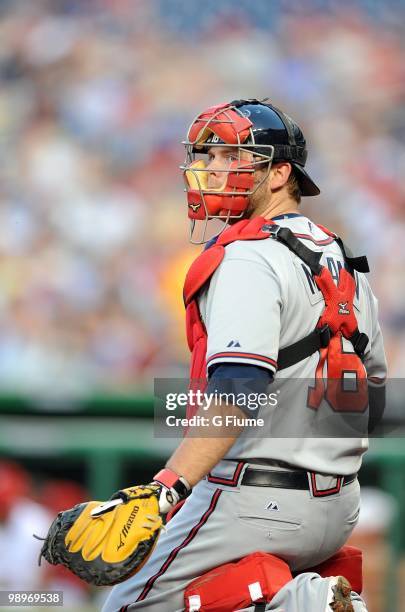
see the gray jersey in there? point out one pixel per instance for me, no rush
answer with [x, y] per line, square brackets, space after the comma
[263, 298]
[260, 299]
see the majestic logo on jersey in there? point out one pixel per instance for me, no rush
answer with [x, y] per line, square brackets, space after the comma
[233, 344]
[342, 308]
[273, 505]
[194, 207]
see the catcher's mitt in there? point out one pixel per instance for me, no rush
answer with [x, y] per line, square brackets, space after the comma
[105, 544]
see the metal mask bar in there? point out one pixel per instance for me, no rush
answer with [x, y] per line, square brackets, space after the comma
[253, 165]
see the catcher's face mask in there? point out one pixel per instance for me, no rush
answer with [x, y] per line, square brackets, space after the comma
[223, 126]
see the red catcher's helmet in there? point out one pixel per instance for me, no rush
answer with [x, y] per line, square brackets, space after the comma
[252, 126]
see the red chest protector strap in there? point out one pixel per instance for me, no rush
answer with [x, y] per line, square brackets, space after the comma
[208, 261]
[338, 314]
[199, 273]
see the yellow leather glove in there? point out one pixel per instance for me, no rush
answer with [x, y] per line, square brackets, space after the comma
[105, 543]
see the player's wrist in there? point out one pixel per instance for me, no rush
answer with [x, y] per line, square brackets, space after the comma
[175, 488]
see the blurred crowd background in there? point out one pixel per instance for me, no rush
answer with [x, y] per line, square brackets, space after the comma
[95, 98]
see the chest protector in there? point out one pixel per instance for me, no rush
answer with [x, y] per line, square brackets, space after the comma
[338, 319]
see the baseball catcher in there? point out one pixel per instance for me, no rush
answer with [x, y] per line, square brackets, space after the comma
[274, 300]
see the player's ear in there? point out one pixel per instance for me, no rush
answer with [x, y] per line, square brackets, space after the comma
[279, 175]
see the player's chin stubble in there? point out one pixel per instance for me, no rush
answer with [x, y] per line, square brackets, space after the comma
[259, 200]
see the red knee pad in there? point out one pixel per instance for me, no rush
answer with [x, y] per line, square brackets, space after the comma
[347, 562]
[255, 578]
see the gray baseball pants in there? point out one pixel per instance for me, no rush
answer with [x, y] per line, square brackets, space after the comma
[223, 521]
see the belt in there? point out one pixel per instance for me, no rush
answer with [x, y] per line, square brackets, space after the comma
[285, 480]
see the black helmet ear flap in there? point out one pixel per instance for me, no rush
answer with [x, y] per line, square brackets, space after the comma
[295, 151]
[306, 184]
[291, 153]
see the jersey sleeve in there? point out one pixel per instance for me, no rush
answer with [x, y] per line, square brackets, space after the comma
[236, 380]
[375, 360]
[243, 314]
